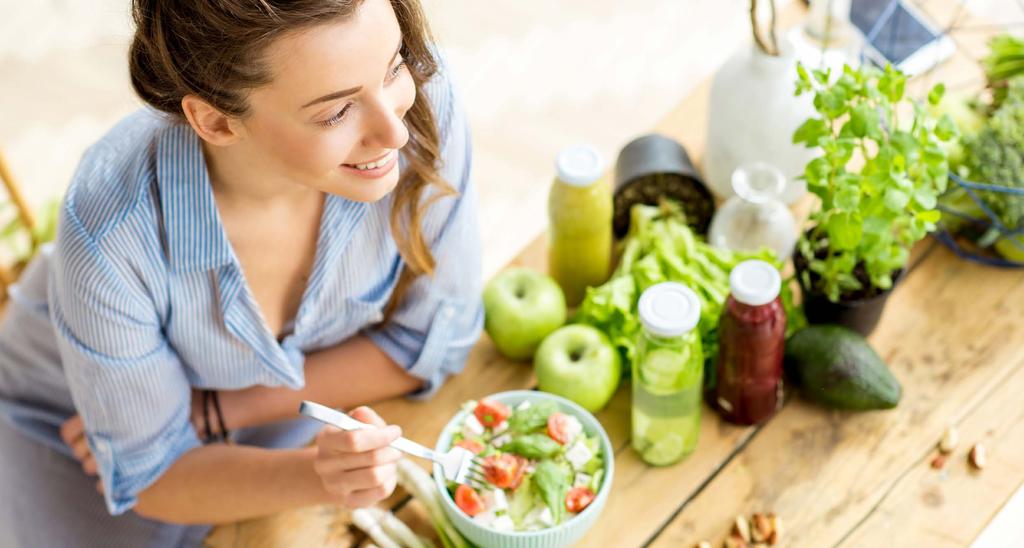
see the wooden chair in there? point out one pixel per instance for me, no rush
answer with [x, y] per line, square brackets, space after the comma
[9, 273]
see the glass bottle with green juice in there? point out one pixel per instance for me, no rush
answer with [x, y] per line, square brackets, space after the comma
[580, 211]
[668, 375]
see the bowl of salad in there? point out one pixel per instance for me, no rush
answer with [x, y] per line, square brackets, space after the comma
[548, 465]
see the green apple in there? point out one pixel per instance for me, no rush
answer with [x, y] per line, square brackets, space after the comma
[578, 362]
[521, 307]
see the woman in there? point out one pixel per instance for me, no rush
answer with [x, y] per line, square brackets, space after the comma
[290, 218]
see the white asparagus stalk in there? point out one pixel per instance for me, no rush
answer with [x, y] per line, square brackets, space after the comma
[420, 485]
[365, 520]
[397, 529]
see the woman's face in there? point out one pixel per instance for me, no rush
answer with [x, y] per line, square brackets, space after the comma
[331, 119]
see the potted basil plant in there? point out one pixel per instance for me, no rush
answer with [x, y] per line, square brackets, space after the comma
[881, 169]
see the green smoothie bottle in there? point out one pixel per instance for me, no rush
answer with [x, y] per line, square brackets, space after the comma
[668, 375]
[580, 211]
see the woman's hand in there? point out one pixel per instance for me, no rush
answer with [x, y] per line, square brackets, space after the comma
[357, 467]
[73, 434]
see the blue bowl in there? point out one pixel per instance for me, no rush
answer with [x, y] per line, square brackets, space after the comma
[563, 534]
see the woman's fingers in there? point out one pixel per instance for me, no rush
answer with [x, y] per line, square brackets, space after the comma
[369, 478]
[367, 415]
[80, 448]
[357, 441]
[367, 497]
[358, 467]
[73, 434]
[330, 462]
[355, 488]
[89, 466]
[72, 429]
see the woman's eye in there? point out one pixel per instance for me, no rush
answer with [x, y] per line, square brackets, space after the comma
[398, 68]
[337, 118]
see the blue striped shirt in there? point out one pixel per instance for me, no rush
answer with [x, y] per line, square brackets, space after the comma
[141, 298]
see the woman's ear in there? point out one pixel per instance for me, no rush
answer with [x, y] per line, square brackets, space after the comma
[212, 125]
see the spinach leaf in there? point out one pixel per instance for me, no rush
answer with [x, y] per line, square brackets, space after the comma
[533, 446]
[552, 482]
[531, 418]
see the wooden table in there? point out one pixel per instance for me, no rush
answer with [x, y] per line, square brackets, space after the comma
[953, 334]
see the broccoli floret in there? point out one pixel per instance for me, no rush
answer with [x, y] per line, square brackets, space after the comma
[995, 155]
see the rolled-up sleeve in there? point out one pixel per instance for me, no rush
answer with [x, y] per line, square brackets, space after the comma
[441, 317]
[126, 381]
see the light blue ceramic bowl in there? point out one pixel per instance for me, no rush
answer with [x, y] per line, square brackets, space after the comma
[563, 534]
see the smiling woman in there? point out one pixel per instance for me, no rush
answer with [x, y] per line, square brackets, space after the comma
[290, 218]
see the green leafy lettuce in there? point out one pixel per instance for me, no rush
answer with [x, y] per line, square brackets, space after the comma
[552, 480]
[660, 247]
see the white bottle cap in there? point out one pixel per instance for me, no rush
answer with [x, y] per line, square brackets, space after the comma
[755, 283]
[669, 309]
[579, 165]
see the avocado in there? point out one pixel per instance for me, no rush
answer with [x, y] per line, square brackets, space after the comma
[836, 367]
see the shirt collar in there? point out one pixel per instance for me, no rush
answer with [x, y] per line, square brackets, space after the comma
[196, 239]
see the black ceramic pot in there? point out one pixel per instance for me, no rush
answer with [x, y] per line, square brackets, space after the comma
[652, 167]
[860, 315]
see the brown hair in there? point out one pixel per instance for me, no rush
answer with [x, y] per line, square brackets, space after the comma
[213, 49]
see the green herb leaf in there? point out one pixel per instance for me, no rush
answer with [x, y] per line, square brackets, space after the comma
[945, 129]
[864, 121]
[552, 482]
[896, 200]
[810, 132]
[936, 93]
[532, 418]
[844, 231]
[533, 446]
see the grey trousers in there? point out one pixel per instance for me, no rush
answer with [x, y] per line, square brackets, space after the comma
[47, 501]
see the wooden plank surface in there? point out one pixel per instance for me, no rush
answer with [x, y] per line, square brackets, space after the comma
[952, 334]
[826, 472]
[952, 506]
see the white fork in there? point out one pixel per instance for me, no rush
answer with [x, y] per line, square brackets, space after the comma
[458, 464]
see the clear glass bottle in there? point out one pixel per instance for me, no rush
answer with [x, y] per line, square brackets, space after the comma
[752, 338]
[756, 216]
[580, 213]
[668, 375]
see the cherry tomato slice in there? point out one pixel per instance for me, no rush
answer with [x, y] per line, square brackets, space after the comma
[468, 500]
[578, 499]
[520, 472]
[503, 470]
[472, 446]
[559, 428]
[491, 413]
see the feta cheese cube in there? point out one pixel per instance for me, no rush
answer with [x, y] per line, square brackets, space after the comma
[578, 455]
[495, 500]
[582, 480]
[539, 517]
[471, 428]
[485, 518]
[501, 440]
[501, 428]
[503, 523]
[523, 406]
[546, 518]
[573, 428]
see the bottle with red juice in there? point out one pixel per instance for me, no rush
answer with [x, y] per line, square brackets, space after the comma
[752, 337]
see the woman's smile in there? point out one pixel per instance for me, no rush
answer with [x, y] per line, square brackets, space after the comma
[376, 168]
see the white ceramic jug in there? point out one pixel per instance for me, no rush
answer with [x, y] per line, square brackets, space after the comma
[752, 116]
